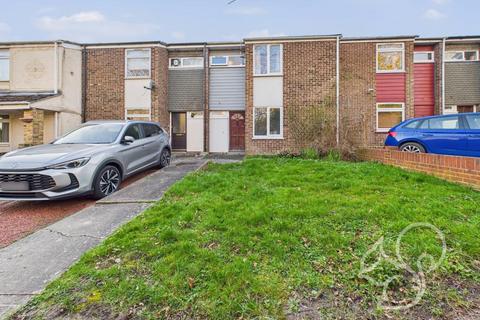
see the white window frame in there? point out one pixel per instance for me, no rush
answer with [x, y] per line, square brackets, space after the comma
[379, 110]
[424, 61]
[268, 135]
[181, 63]
[268, 74]
[228, 59]
[149, 63]
[463, 55]
[390, 50]
[7, 58]
[9, 130]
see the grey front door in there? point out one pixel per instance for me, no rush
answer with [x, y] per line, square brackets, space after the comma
[179, 131]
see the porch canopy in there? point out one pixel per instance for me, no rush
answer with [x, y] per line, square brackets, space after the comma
[23, 117]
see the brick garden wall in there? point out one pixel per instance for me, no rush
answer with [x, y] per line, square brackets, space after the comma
[464, 170]
[308, 82]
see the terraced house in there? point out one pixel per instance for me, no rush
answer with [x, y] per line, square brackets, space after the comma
[40, 92]
[259, 96]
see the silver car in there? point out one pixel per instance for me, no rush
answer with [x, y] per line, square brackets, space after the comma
[92, 160]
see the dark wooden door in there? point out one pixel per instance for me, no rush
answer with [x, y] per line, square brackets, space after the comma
[465, 109]
[179, 131]
[237, 131]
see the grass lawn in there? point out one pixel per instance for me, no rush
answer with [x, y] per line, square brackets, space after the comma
[275, 238]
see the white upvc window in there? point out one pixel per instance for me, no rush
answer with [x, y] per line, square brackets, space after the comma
[186, 62]
[390, 57]
[267, 59]
[4, 129]
[458, 56]
[227, 61]
[137, 63]
[267, 122]
[389, 115]
[4, 65]
[424, 57]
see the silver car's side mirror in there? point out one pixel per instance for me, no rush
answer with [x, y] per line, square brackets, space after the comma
[128, 140]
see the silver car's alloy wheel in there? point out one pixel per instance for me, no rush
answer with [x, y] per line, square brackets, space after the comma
[109, 181]
[411, 148]
[165, 158]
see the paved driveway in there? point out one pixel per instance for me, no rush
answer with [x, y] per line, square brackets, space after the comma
[19, 219]
[29, 264]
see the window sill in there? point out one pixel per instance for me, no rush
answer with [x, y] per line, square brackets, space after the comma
[268, 75]
[383, 72]
[458, 61]
[186, 68]
[138, 78]
[382, 130]
[267, 138]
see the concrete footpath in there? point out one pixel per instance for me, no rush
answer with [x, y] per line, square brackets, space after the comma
[28, 265]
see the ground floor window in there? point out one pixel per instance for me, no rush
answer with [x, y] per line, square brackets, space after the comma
[4, 129]
[138, 114]
[389, 115]
[268, 122]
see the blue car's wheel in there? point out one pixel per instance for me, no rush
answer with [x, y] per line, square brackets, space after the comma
[412, 147]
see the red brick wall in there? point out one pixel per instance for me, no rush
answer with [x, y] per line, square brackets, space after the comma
[160, 91]
[309, 71]
[437, 49]
[105, 92]
[358, 92]
[463, 170]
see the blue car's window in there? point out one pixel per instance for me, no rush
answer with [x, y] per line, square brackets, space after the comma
[444, 123]
[412, 125]
[424, 125]
[473, 121]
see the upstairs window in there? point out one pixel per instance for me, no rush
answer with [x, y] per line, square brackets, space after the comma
[268, 59]
[391, 57]
[4, 65]
[423, 57]
[455, 56]
[137, 63]
[4, 129]
[227, 61]
[187, 62]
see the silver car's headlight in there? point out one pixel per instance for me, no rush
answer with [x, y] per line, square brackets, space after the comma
[72, 164]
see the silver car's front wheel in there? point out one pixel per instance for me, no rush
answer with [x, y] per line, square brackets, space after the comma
[106, 182]
[165, 158]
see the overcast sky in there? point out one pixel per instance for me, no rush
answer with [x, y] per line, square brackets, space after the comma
[216, 20]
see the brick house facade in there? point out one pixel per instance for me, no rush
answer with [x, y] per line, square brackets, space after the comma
[309, 81]
[359, 88]
[105, 83]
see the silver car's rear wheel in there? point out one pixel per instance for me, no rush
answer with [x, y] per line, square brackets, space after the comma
[106, 182]
[412, 147]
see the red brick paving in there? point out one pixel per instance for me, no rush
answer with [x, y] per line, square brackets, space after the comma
[19, 219]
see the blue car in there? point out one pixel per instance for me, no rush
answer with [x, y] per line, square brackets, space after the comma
[456, 134]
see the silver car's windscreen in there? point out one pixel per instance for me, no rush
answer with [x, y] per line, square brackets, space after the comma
[92, 134]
